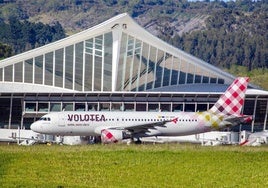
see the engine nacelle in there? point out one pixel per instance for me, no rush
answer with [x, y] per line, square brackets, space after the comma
[113, 136]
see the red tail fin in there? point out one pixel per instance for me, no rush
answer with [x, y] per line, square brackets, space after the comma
[231, 102]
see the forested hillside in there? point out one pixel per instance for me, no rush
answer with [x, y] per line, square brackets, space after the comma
[232, 37]
[24, 35]
[225, 34]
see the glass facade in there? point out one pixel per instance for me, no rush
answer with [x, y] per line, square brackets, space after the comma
[88, 66]
[59, 54]
[83, 66]
[144, 67]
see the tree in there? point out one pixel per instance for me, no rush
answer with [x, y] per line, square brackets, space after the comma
[25, 35]
[5, 51]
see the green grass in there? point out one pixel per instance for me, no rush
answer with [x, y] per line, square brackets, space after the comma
[167, 165]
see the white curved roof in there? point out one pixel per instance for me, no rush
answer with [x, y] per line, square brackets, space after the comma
[30, 88]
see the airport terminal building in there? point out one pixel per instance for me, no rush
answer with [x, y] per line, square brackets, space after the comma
[116, 65]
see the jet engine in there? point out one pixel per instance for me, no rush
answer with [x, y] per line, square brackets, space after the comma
[113, 136]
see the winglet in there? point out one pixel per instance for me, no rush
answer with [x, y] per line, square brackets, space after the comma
[231, 102]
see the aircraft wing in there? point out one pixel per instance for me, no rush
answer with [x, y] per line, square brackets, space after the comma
[143, 128]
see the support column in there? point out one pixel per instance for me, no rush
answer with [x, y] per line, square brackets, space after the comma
[10, 111]
[254, 114]
[265, 118]
[21, 122]
[117, 33]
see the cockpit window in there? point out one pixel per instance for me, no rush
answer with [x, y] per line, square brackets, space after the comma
[44, 119]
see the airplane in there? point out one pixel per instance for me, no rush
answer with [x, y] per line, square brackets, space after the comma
[113, 127]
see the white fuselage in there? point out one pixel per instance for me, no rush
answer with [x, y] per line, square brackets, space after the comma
[91, 123]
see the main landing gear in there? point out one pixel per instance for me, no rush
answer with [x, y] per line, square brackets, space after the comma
[137, 140]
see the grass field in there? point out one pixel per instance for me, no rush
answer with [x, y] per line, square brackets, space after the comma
[116, 165]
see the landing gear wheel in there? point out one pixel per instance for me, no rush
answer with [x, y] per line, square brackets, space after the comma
[138, 141]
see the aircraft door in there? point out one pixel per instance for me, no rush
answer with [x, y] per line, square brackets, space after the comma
[61, 120]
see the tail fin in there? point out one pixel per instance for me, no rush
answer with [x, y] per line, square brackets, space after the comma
[231, 102]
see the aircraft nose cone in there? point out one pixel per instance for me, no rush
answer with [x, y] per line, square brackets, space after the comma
[35, 127]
